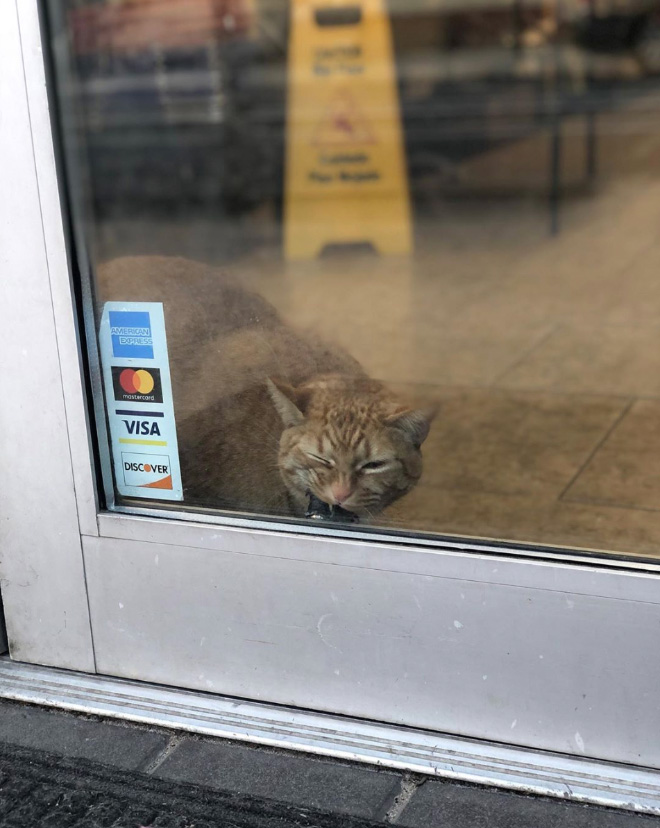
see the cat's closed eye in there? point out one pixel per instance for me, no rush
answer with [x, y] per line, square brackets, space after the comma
[319, 459]
[373, 465]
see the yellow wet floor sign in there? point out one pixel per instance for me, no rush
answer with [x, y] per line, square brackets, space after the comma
[345, 169]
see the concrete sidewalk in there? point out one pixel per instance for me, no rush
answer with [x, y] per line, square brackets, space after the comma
[168, 769]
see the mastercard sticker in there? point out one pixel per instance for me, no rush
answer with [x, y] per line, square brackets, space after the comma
[137, 384]
[140, 408]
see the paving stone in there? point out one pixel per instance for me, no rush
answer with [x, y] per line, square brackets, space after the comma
[448, 805]
[54, 731]
[296, 779]
[51, 791]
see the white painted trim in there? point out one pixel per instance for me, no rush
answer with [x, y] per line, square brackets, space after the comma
[59, 275]
[41, 566]
[196, 516]
[393, 554]
[419, 751]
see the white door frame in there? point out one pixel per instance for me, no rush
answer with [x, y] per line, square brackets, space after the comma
[47, 496]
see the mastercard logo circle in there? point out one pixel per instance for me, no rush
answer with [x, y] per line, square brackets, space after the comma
[140, 381]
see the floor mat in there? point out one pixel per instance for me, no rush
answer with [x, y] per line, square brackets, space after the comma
[41, 789]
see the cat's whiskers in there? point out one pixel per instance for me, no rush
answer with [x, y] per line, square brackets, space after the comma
[282, 371]
[370, 514]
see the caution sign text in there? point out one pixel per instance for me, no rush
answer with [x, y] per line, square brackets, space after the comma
[345, 170]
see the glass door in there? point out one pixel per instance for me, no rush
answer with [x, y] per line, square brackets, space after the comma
[386, 238]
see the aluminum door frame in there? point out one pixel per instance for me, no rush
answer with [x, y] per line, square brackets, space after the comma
[547, 652]
[47, 495]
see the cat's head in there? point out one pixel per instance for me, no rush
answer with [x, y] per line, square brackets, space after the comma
[349, 442]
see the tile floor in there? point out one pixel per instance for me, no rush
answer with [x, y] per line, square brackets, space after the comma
[543, 351]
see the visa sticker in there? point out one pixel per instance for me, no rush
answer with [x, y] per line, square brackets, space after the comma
[140, 407]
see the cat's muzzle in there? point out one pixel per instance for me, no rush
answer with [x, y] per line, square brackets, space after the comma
[318, 509]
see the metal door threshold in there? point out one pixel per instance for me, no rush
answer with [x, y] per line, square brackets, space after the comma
[417, 751]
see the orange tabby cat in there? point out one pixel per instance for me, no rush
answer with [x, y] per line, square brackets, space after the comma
[267, 415]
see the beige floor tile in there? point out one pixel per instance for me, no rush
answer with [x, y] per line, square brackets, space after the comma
[600, 268]
[602, 528]
[486, 441]
[506, 468]
[433, 358]
[638, 430]
[612, 360]
[625, 471]
[565, 422]
[630, 297]
[482, 515]
[398, 320]
[620, 478]
[528, 520]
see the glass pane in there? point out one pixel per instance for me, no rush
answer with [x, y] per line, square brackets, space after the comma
[406, 255]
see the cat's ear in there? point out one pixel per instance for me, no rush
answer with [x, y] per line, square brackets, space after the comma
[286, 402]
[414, 422]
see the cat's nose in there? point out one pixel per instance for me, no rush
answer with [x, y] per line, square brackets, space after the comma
[340, 492]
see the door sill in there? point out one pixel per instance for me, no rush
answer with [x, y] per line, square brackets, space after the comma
[417, 751]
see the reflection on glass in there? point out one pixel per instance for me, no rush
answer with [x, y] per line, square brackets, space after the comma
[511, 340]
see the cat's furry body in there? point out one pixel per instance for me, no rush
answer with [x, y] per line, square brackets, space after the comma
[244, 443]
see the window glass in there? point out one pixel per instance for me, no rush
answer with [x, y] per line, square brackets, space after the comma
[387, 264]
